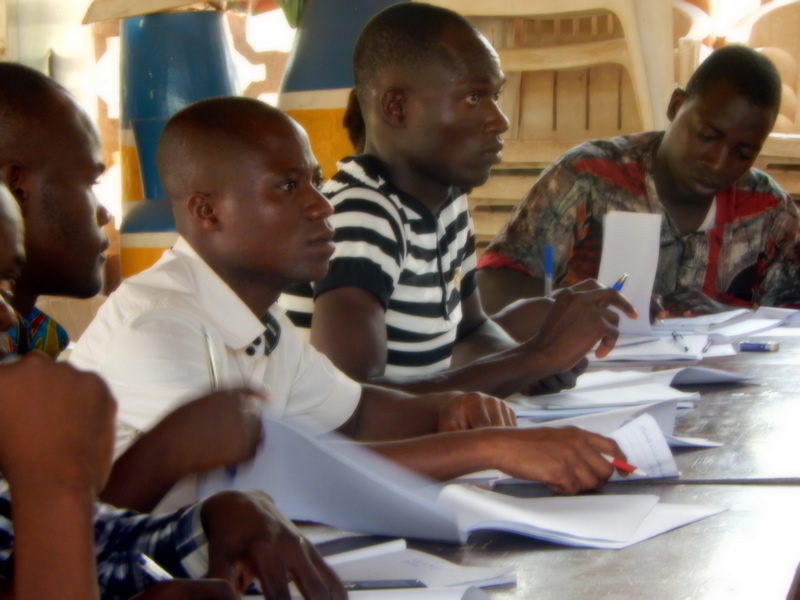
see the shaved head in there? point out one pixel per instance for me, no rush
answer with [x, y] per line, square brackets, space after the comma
[31, 105]
[406, 37]
[244, 187]
[209, 139]
[50, 160]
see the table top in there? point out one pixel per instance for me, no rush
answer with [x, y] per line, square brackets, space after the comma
[749, 551]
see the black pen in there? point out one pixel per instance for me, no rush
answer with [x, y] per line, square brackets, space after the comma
[382, 584]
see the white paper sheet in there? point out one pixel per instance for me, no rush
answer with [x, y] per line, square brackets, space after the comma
[429, 569]
[612, 397]
[631, 242]
[345, 486]
[702, 323]
[665, 348]
[459, 593]
[642, 438]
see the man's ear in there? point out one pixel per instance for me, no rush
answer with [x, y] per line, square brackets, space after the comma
[675, 102]
[394, 107]
[18, 181]
[201, 211]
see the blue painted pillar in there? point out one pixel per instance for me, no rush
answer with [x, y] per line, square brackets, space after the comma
[168, 60]
[319, 73]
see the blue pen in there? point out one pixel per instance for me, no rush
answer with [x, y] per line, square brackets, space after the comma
[620, 282]
[152, 568]
[548, 271]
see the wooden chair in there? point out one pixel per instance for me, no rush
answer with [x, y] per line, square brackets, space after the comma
[772, 29]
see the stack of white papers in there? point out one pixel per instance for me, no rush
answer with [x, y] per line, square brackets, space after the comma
[394, 560]
[458, 593]
[703, 323]
[338, 483]
[687, 347]
[602, 390]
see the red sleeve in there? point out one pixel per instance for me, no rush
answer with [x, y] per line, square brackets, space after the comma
[495, 260]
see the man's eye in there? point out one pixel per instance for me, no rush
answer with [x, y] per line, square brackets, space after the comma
[473, 98]
[289, 186]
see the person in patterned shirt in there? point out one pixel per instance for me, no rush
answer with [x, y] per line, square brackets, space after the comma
[726, 229]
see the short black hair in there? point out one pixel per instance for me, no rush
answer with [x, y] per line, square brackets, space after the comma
[753, 74]
[27, 99]
[404, 35]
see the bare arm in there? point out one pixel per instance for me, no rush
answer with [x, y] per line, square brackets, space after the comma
[501, 287]
[349, 327]
[219, 429]
[54, 474]
[568, 460]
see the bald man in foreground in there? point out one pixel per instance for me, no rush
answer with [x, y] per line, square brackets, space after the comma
[244, 187]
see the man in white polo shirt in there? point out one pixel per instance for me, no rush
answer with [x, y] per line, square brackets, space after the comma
[244, 187]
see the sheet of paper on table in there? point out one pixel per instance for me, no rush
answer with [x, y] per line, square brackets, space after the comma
[623, 231]
[336, 482]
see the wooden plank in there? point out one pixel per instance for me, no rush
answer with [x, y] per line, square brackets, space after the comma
[564, 56]
[502, 189]
[489, 222]
[510, 103]
[104, 10]
[531, 152]
[604, 107]
[571, 106]
[630, 115]
[536, 111]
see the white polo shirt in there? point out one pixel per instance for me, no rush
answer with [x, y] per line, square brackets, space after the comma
[176, 331]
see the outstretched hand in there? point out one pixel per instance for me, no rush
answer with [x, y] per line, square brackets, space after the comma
[575, 324]
[569, 460]
[248, 539]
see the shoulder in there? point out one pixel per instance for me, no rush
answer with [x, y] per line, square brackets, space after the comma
[758, 187]
[617, 150]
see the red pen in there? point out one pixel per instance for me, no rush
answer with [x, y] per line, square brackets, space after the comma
[623, 466]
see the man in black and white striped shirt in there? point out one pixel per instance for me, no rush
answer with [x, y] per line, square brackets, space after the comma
[399, 306]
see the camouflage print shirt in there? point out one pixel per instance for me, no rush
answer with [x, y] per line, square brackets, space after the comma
[737, 261]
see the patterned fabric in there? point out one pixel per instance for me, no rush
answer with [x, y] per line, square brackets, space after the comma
[737, 261]
[39, 332]
[418, 264]
[176, 542]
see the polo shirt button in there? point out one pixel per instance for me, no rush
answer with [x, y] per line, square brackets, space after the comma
[257, 341]
[250, 351]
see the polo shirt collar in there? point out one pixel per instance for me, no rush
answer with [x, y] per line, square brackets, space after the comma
[222, 307]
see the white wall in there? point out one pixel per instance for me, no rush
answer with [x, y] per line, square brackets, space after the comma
[47, 35]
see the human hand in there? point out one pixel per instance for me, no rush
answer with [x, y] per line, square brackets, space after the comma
[569, 460]
[474, 410]
[577, 321]
[690, 303]
[559, 381]
[188, 589]
[249, 539]
[219, 429]
[657, 310]
[57, 425]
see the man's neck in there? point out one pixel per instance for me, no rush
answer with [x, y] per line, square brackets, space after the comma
[687, 213]
[24, 300]
[408, 179]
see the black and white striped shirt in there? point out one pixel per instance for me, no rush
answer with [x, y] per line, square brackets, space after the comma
[418, 264]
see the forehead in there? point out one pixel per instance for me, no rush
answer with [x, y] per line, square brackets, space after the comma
[280, 143]
[723, 102]
[73, 138]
